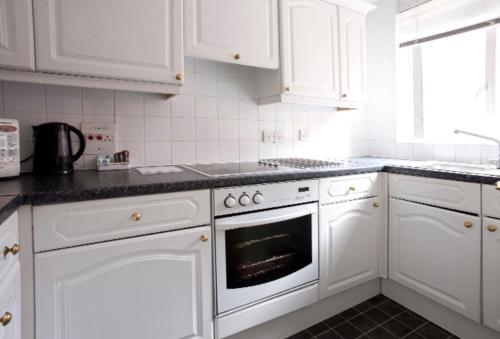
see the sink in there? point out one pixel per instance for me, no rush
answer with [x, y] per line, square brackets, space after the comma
[461, 167]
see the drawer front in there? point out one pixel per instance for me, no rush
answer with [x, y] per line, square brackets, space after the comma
[348, 188]
[70, 224]
[9, 239]
[491, 200]
[456, 195]
[10, 302]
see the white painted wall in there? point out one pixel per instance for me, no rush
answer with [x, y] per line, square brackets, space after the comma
[215, 119]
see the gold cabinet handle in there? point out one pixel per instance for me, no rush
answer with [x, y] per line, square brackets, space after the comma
[352, 189]
[14, 250]
[204, 237]
[492, 228]
[178, 76]
[468, 224]
[237, 56]
[6, 319]
[287, 89]
[376, 204]
[136, 216]
[344, 95]
[497, 185]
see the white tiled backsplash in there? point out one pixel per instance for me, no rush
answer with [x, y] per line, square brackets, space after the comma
[215, 119]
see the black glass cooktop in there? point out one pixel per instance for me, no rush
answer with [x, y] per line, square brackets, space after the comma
[237, 168]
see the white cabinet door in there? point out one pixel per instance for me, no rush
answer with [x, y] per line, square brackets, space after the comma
[124, 39]
[491, 273]
[437, 253]
[310, 48]
[243, 31]
[349, 238]
[352, 47]
[10, 303]
[153, 287]
[16, 34]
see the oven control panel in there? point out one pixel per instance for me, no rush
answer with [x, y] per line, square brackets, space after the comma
[242, 199]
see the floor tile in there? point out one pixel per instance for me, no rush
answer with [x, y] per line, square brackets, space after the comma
[362, 322]
[335, 320]
[378, 299]
[301, 335]
[391, 308]
[330, 334]
[432, 331]
[396, 328]
[377, 315]
[318, 328]
[410, 319]
[380, 333]
[363, 306]
[414, 335]
[349, 313]
[347, 331]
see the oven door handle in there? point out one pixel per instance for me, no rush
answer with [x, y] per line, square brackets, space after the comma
[232, 223]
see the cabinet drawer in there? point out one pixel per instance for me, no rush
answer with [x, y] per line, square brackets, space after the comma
[491, 200]
[70, 224]
[348, 188]
[8, 239]
[456, 195]
[10, 302]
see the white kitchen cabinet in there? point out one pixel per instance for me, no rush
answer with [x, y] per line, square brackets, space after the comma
[491, 273]
[243, 32]
[349, 244]
[17, 48]
[352, 30]
[118, 39]
[312, 36]
[491, 200]
[437, 253]
[153, 287]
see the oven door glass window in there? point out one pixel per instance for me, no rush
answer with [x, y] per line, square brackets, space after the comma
[260, 254]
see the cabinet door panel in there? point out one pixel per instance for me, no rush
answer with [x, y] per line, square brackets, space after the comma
[432, 252]
[142, 287]
[310, 54]
[221, 29]
[10, 301]
[491, 273]
[16, 34]
[349, 238]
[134, 41]
[352, 47]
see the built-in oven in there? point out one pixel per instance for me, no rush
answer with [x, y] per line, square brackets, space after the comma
[268, 245]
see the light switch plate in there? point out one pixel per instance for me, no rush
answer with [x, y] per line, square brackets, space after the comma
[100, 138]
[303, 135]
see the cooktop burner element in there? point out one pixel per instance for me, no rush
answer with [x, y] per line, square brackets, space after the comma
[300, 163]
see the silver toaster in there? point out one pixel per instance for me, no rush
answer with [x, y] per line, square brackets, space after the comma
[10, 162]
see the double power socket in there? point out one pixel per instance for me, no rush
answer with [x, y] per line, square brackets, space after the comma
[278, 137]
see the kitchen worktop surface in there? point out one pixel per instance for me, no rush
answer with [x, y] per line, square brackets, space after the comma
[90, 185]
[8, 204]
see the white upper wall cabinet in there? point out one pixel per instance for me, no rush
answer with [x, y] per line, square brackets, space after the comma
[243, 32]
[352, 29]
[123, 39]
[16, 34]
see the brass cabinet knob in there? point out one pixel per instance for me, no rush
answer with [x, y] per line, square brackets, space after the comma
[492, 228]
[136, 216]
[468, 224]
[352, 189]
[376, 204]
[287, 89]
[14, 250]
[178, 76]
[6, 319]
[237, 56]
[497, 185]
[204, 237]
[344, 95]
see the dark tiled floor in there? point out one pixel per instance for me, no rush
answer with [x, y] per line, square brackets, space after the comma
[377, 318]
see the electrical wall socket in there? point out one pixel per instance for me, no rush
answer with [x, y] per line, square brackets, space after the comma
[100, 138]
[303, 134]
[279, 137]
[273, 137]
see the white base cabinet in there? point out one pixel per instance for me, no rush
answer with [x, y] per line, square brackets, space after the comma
[491, 273]
[156, 287]
[437, 253]
[349, 244]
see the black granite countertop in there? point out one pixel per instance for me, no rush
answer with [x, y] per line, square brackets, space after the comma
[8, 205]
[91, 185]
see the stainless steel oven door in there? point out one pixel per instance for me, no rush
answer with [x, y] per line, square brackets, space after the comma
[265, 253]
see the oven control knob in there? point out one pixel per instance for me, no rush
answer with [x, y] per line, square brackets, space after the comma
[244, 199]
[230, 201]
[258, 198]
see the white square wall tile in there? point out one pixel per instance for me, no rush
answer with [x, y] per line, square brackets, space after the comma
[63, 100]
[183, 152]
[207, 129]
[206, 107]
[228, 130]
[157, 153]
[249, 130]
[98, 101]
[157, 129]
[267, 112]
[71, 119]
[229, 151]
[26, 123]
[422, 152]
[206, 151]
[183, 129]
[249, 150]
[202, 66]
[189, 85]
[206, 85]
[444, 152]
[21, 97]
[156, 105]
[227, 70]
[228, 108]
[130, 128]
[248, 109]
[247, 88]
[404, 151]
[228, 88]
[284, 112]
[189, 64]
[183, 106]
[129, 103]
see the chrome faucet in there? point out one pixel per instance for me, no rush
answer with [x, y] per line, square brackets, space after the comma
[485, 137]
